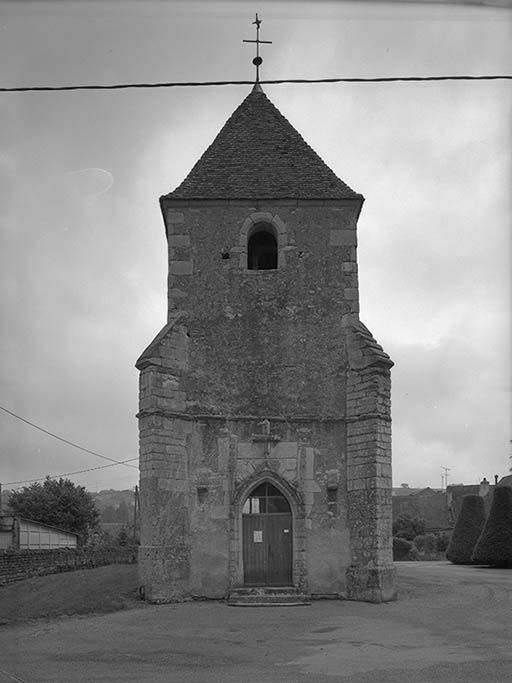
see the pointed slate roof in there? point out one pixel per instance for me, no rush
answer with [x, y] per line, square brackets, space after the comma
[259, 154]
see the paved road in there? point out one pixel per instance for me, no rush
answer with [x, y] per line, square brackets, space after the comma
[450, 624]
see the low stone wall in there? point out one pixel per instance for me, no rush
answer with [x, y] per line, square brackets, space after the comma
[16, 565]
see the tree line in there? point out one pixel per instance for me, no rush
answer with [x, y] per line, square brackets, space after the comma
[62, 503]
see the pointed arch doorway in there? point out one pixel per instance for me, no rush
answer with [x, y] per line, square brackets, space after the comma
[267, 537]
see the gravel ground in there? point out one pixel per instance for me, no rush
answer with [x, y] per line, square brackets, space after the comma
[449, 624]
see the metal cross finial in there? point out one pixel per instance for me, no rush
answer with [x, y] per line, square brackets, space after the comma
[257, 61]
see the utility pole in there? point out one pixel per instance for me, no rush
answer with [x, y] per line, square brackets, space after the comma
[445, 476]
[135, 506]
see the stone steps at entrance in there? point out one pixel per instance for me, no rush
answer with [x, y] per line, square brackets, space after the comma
[267, 596]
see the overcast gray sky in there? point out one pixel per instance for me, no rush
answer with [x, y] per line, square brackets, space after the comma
[83, 253]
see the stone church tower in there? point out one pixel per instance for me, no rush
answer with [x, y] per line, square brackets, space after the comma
[265, 429]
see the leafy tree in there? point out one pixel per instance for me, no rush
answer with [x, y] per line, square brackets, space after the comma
[108, 514]
[468, 528]
[122, 537]
[122, 514]
[494, 547]
[60, 503]
[98, 538]
[408, 527]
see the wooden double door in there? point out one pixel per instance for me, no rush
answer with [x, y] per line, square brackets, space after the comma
[267, 538]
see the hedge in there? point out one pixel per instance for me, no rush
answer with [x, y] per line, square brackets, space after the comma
[468, 528]
[494, 547]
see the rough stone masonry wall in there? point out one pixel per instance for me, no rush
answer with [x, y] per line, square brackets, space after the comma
[371, 575]
[164, 432]
[17, 565]
[164, 553]
[189, 470]
[271, 342]
[245, 345]
[190, 497]
[306, 461]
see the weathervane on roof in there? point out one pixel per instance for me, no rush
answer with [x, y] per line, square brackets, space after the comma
[257, 61]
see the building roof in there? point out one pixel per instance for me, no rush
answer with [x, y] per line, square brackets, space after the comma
[31, 521]
[258, 154]
[428, 491]
[403, 491]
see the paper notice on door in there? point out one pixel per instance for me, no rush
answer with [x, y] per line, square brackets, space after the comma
[258, 536]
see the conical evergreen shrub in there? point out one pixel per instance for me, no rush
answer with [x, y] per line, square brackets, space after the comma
[494, 547]
[468, 528]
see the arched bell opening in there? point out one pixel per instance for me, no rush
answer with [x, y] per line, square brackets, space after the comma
[267, 537]
[262, 248]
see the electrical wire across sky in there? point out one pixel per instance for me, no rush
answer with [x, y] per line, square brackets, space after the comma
[68, 474]
[69, 443]
[190, 84]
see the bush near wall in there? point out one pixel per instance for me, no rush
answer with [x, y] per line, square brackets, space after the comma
[443, 541]
[494, 547]
[426, 545]
[404, 550]
[408, 527]
[16, 565]
[468, 528]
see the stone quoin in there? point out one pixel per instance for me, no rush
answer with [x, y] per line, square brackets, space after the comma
[264, 417]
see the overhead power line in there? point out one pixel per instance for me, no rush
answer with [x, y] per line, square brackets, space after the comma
[190, 84]
[70, 443]
[68, 474]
